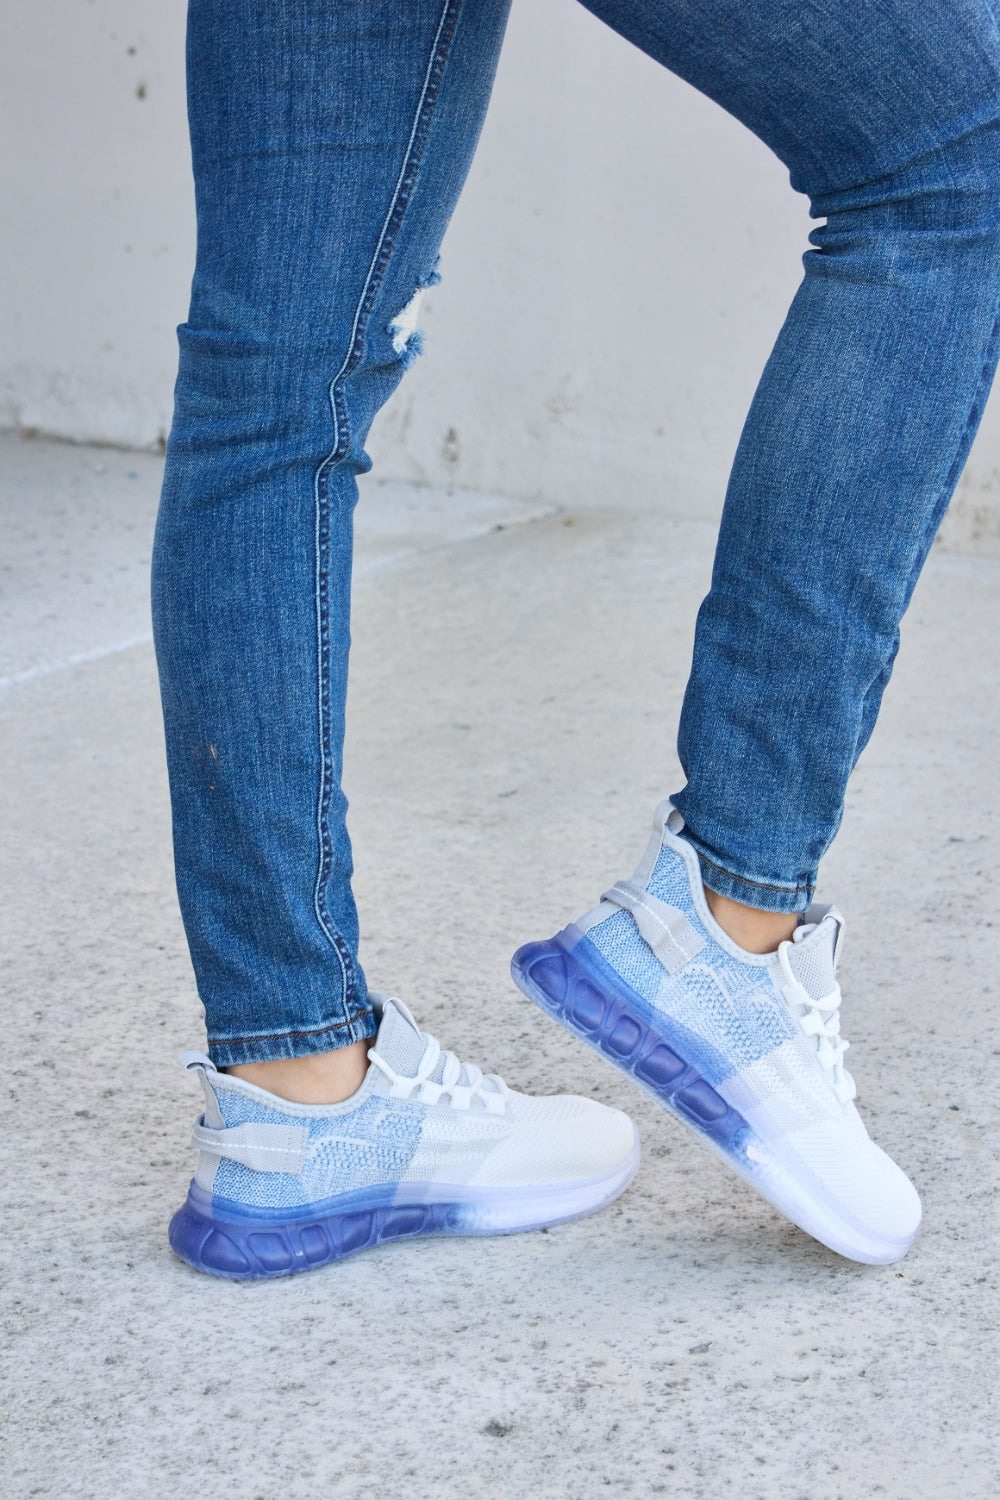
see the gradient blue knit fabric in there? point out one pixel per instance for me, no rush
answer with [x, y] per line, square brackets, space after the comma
[729, 1009]
[369, 1146]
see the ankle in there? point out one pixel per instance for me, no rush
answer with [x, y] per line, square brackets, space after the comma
[752, 930]
[320, 1078]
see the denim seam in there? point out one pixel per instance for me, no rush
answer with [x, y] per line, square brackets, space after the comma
[341, 441]
[760, 885]
[280, 1036]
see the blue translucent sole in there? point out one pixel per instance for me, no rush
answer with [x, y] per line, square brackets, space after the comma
[249, 1250]
[245, 1243]
[569, 979]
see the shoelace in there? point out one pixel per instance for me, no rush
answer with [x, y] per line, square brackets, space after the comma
[460, 1093]
[821, 1019]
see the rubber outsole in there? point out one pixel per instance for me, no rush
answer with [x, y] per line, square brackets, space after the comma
[585, 995]
[235, 1242]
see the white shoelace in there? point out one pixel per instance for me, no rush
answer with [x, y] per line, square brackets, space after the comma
[460, 1093]
[821, 1019]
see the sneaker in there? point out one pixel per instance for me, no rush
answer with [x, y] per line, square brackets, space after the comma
[744, 1048]
[427, 1145]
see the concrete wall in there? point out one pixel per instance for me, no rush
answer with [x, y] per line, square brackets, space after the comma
[99, 234]
[613, 278]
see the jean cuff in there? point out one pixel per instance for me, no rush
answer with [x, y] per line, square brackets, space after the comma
[252, 1049]
[762, 895]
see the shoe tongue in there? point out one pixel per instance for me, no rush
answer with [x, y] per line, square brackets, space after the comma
[811, 957]
[402, 1044]
[399, 1040]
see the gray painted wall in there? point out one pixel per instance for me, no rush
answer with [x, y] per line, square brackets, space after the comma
[613, 278]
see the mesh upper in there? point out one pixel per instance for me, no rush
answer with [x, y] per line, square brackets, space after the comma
[383, 1141]
[732, 1008]
[369, 1145]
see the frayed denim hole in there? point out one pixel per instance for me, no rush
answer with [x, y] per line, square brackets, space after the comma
[407, 337]
[413, 347]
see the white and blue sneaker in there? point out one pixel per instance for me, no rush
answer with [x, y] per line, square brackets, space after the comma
[744, 1048]
[427, 1145]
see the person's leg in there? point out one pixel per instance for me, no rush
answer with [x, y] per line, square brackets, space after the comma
[686, 975]
[888, 117]
[329, 143]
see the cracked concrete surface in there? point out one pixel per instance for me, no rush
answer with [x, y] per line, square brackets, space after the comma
[511, 728]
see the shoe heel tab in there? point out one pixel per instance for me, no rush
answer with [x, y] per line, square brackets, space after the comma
[198, 1062]
[666, 818]
[667, 823]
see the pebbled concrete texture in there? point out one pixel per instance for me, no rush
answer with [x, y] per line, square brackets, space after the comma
[514, 698]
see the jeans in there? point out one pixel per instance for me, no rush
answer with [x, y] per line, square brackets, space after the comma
[330, 142]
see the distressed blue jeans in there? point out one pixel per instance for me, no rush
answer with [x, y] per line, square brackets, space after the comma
[330, 141]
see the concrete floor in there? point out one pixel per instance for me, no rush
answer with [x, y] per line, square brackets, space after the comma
[507, 745]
